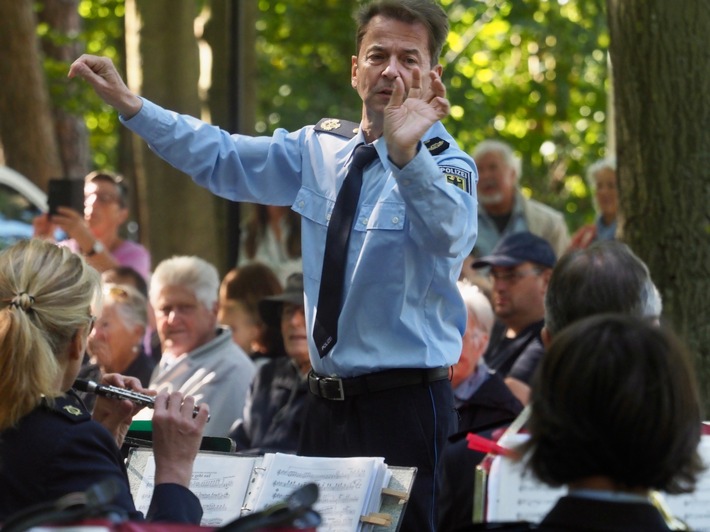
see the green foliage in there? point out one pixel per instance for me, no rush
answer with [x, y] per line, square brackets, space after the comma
[530, 72]
[102, 33]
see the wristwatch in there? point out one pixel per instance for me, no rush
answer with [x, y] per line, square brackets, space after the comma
[98, 247]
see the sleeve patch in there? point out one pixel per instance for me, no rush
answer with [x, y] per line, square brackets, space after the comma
[436, 145]
[457, 177]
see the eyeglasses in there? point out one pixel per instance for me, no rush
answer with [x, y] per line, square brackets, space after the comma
[512, 276]
[92, 321]
[103, 198]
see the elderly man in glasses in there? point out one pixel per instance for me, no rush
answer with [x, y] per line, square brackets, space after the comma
[519, 268]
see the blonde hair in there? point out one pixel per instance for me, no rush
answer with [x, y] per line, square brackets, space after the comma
[46, 293]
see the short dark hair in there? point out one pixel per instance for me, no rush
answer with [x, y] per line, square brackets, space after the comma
[426, 12]
[114, 179]
[122, 274]
[605, 277]
[616, 396]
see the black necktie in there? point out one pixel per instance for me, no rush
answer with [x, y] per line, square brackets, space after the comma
[330, 297]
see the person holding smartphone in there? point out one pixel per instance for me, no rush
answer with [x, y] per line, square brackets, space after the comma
[95, 232]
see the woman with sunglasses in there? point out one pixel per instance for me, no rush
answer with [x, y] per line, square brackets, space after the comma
[49, 445]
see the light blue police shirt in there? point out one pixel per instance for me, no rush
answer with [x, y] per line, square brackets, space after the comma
[413, 229]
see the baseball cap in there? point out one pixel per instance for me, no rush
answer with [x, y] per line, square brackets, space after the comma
[270, 307]
[517, 248]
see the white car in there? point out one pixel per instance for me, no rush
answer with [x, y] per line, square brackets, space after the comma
[20, 201]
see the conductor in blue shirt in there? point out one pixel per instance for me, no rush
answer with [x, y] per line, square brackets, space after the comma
[384, 315]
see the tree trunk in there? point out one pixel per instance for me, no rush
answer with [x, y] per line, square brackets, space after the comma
[62, 16]
[26, 124]
[163, 65]
[660, 53]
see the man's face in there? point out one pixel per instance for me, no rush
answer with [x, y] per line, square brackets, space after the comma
[496, 179]
[183, 322]
[519, 292]
[102, 208]
[293, 330]
[606, 193]
[390, 49]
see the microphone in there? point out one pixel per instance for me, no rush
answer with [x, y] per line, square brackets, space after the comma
[114, 392]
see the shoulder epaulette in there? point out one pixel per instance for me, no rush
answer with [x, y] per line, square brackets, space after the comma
[436, 145]
[342, 128]
[69, 408]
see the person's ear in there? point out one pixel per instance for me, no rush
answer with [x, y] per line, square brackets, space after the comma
[77, 345]
[353, 72]
[546, 337]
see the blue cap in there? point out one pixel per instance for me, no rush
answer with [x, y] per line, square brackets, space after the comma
[517, 248]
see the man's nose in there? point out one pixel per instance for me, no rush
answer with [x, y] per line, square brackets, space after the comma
[392, 68]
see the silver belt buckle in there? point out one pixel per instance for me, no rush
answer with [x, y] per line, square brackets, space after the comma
[328, 383]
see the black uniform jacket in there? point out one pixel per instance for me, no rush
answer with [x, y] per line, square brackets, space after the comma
[58, 449]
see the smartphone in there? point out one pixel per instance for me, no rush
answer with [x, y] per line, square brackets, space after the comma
[65, 192]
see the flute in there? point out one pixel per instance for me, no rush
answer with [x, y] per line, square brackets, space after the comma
[114, 392]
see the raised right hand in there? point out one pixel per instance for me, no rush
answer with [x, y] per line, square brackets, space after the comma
[101, 74]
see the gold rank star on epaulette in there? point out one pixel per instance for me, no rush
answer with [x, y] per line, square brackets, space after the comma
[335, 126]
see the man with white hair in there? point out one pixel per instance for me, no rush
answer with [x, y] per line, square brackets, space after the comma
[483, 402]
[199, 356]
[480, 395]
[505, 209]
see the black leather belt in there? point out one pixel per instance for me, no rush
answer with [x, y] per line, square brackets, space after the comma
[337, 389]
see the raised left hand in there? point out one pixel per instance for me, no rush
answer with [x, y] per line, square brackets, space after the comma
[409, 116]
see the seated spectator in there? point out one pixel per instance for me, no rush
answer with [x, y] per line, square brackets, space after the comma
[95, 232]
[199, 357]
[49, 444]
[272, 236]
[128, 276]
[275, 404]
[484, 403]
[615, 414]
[601, 177]
[520, 268]
[115, 343]
[605, 277]
[239, 295]
[503, 209]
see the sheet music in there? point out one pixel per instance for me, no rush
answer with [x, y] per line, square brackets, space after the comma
[219, 483]
[345, 485]
[694, 508]
[514, 494]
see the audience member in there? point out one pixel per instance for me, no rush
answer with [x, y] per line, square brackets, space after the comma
[273, 415]
[95, 232]
[520, 267]
[199, 357]
[49, 444]
[115, 343]
[505, 209]
[383, 314]
[239, 295]
[128, 276]
[615, 414]
[601, 177]
[483, 402]
[605, 277]
[272, 236]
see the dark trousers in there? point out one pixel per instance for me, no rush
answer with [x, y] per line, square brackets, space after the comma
[408, 426]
